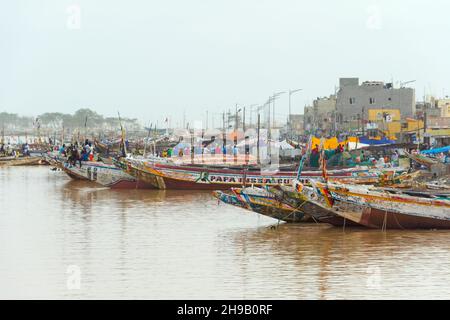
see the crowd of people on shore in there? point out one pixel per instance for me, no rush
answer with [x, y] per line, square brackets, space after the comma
[9, 150]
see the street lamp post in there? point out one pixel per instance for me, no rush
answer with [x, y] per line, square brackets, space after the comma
[291, 92]
[275, 95]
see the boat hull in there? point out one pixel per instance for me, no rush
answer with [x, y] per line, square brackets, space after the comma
[105, 175]
[384, 219]
[261, 205]
[266, 203]
[374, 208]
[25, 161]
[207, 178]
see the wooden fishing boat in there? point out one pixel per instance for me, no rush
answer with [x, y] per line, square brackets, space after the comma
[376, 208]
[260, 202]
[229, 197]
[421, 159]
[22, 161]
[264, 202]
[141, 171]
[104, 174]
[172, 176]
[306, 201]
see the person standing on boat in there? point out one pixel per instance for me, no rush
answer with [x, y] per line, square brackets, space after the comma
[90, 152]
[235, 150]
[62, 150]
[394, 159]
[447, 158]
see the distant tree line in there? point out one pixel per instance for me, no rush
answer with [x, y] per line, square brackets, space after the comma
[82, 119]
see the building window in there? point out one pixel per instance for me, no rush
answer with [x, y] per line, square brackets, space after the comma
[352, 100]
[371, 100]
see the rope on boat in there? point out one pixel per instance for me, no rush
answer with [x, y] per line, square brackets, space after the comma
[384, 226]
[295, 211]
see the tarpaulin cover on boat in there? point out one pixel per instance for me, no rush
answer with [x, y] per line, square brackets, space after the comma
[437, 150]
[372, 142]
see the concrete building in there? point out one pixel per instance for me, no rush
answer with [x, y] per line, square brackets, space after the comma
[319, 118]
[324, 112]
[296, 122]
[308, 119]
[354, 100]
[384, 122]
[444, 106]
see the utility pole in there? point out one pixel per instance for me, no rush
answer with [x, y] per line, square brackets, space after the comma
[426, 139]
[224, 139]
[362, 120]
[236, 119]
[257, 142]
[243, 121]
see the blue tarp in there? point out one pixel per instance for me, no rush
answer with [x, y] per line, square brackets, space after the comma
[373, 142]
[437, 150]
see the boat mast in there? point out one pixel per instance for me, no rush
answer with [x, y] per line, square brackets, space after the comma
[305, 156]
[123, 134]
[224, 139]
[258, 161]
[148, 137]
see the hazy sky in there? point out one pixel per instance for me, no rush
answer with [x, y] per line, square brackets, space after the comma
[152, 59]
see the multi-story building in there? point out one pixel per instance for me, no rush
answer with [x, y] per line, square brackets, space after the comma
[319, 118]
[308, 119]
[444, 106]
[324, 113]
[354, 101]
[296, 124]
[384, 122]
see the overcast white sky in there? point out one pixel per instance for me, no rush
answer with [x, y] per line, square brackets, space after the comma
[152, 59]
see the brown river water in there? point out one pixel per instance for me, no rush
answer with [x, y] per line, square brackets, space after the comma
[68, 239]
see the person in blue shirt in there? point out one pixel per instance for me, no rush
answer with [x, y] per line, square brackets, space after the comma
[62, 150]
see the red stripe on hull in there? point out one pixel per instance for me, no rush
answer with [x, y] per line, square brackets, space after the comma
[376, 218]
[186, 185]
[241, 172]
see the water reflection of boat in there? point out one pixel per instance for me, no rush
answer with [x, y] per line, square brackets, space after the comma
[81, 191]
[338, 264]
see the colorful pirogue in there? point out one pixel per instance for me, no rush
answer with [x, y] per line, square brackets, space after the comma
[20, 161]
[301, 202]
[201, 177]
[107, 175]
[378, 208]
[263, 202]
[286, 203]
